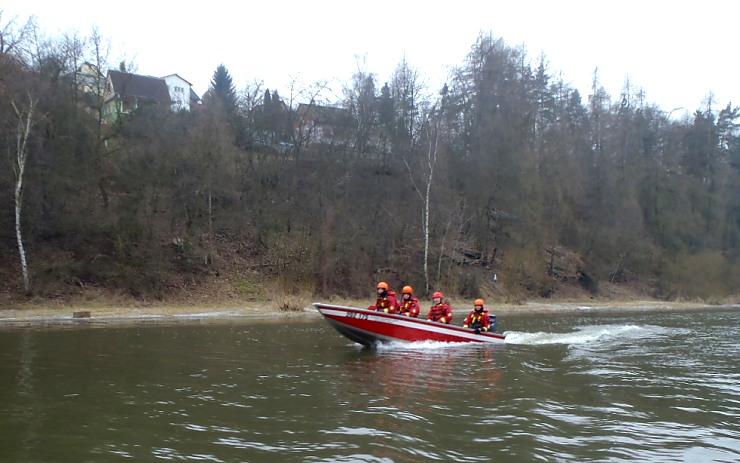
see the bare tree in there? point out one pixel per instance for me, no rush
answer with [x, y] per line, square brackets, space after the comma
[315, 95]
[250, 98]
[14, 37]
[408, 93]
[428, 163]
[25, 117]
[99, 52]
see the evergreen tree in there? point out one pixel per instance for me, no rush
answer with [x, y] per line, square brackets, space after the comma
[406, 93]
[385, 107]
[728, 128]
[545, 113]
[222, 93]
[222, 88]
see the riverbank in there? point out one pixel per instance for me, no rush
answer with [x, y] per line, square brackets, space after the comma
[91, 312]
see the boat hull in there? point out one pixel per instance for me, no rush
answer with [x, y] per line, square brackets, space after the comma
[369, 328]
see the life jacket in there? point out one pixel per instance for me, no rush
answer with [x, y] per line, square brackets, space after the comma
[476, 320]
[387, 303]
[441, 312]
[409, 307]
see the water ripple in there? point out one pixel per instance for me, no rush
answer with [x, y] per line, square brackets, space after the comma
[595, 388]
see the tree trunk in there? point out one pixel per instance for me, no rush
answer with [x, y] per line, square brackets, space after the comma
[426, 231]
[426, 197]
[210, 227]
[431, 162]
[25, 122]
[18, 234]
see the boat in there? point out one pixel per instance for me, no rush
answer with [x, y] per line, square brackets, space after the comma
[370, 328]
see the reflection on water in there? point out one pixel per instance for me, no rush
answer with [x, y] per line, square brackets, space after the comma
[409, 391]
[587, 387]
[425, 370]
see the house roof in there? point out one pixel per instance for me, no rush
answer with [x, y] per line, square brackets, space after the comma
[179, 77]
[135, 85]
[89, 69]
[194, 96]
[324, 114]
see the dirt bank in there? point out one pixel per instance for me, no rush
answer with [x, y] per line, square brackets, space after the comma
[34, 315]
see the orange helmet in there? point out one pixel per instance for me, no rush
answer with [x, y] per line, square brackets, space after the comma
[438, 294]
[479, 302]
[383, 285]
[408, 290]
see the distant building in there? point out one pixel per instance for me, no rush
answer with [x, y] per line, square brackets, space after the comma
[181, 93]
[126, 92]
[89, 79]
[322, 124]
[89, 84]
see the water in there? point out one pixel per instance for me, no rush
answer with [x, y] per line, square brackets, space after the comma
[634, 386]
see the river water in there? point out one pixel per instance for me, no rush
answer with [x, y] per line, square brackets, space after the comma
[593, 386]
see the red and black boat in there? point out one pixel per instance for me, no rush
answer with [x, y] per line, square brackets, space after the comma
[369, 327]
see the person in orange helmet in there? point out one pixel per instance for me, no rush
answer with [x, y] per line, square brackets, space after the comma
[409, 304]
[479, 319]
[441, 310]
[387, 301]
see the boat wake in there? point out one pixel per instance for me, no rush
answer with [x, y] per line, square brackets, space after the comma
[584, 335]
[424, 345]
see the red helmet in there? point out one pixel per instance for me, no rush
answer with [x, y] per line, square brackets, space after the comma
[479, 302]
[383, 285]
[438, 294]
[408, 290]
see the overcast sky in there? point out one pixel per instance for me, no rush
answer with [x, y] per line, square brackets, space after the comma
[678, 51]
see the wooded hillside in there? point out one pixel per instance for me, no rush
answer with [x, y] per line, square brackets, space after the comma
[505, 171]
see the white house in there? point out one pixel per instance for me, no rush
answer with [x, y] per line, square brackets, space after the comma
[181, 93]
